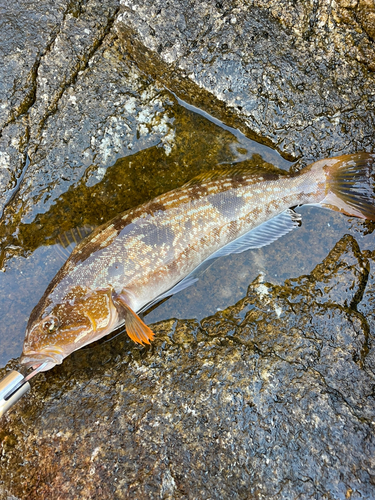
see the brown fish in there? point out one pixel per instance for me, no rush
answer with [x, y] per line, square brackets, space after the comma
[150, 252]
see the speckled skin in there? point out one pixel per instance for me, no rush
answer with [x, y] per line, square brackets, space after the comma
[145, 251]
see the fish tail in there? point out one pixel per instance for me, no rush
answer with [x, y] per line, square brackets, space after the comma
[351, 184]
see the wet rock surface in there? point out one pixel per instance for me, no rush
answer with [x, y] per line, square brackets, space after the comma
[295, 74]
[43, 50]
[270, 398]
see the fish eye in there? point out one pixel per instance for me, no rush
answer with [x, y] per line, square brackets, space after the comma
[50, 324]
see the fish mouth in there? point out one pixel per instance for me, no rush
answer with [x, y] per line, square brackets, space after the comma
[50, 355]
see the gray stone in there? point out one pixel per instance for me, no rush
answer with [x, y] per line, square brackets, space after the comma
[87, 100]
[27, 30]
[297, 75]
[271, 398]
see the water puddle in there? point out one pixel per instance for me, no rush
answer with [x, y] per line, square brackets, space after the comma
[31, 253]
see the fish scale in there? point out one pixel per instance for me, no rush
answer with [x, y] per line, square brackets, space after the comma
[154, 250]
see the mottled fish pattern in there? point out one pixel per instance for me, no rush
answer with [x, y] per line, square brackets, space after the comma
[141, 254]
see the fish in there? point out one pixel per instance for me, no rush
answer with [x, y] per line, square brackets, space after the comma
[158, 248]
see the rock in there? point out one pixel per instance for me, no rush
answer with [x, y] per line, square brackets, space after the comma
[27, 32]
[295, 75]
[13, 142]
[350, 274]
[91, 106]
[270, 398]
[367, 310]
[22, 45]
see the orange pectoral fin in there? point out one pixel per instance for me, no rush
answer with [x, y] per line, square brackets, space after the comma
[135, 328]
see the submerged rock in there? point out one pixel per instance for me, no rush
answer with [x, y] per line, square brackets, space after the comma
[271, 398]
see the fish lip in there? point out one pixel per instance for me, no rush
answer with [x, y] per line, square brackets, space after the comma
[51, 355]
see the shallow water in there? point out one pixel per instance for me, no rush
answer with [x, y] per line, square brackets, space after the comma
[31, 257]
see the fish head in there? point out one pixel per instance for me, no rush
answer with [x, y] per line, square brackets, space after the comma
[56, 330]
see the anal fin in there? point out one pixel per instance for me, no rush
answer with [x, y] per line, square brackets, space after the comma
[263, 235]
[137, 330]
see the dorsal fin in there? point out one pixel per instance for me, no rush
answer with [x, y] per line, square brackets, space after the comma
[68, 240]
[267, 170]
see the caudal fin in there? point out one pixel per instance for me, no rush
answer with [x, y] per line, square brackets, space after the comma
[351, 184]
